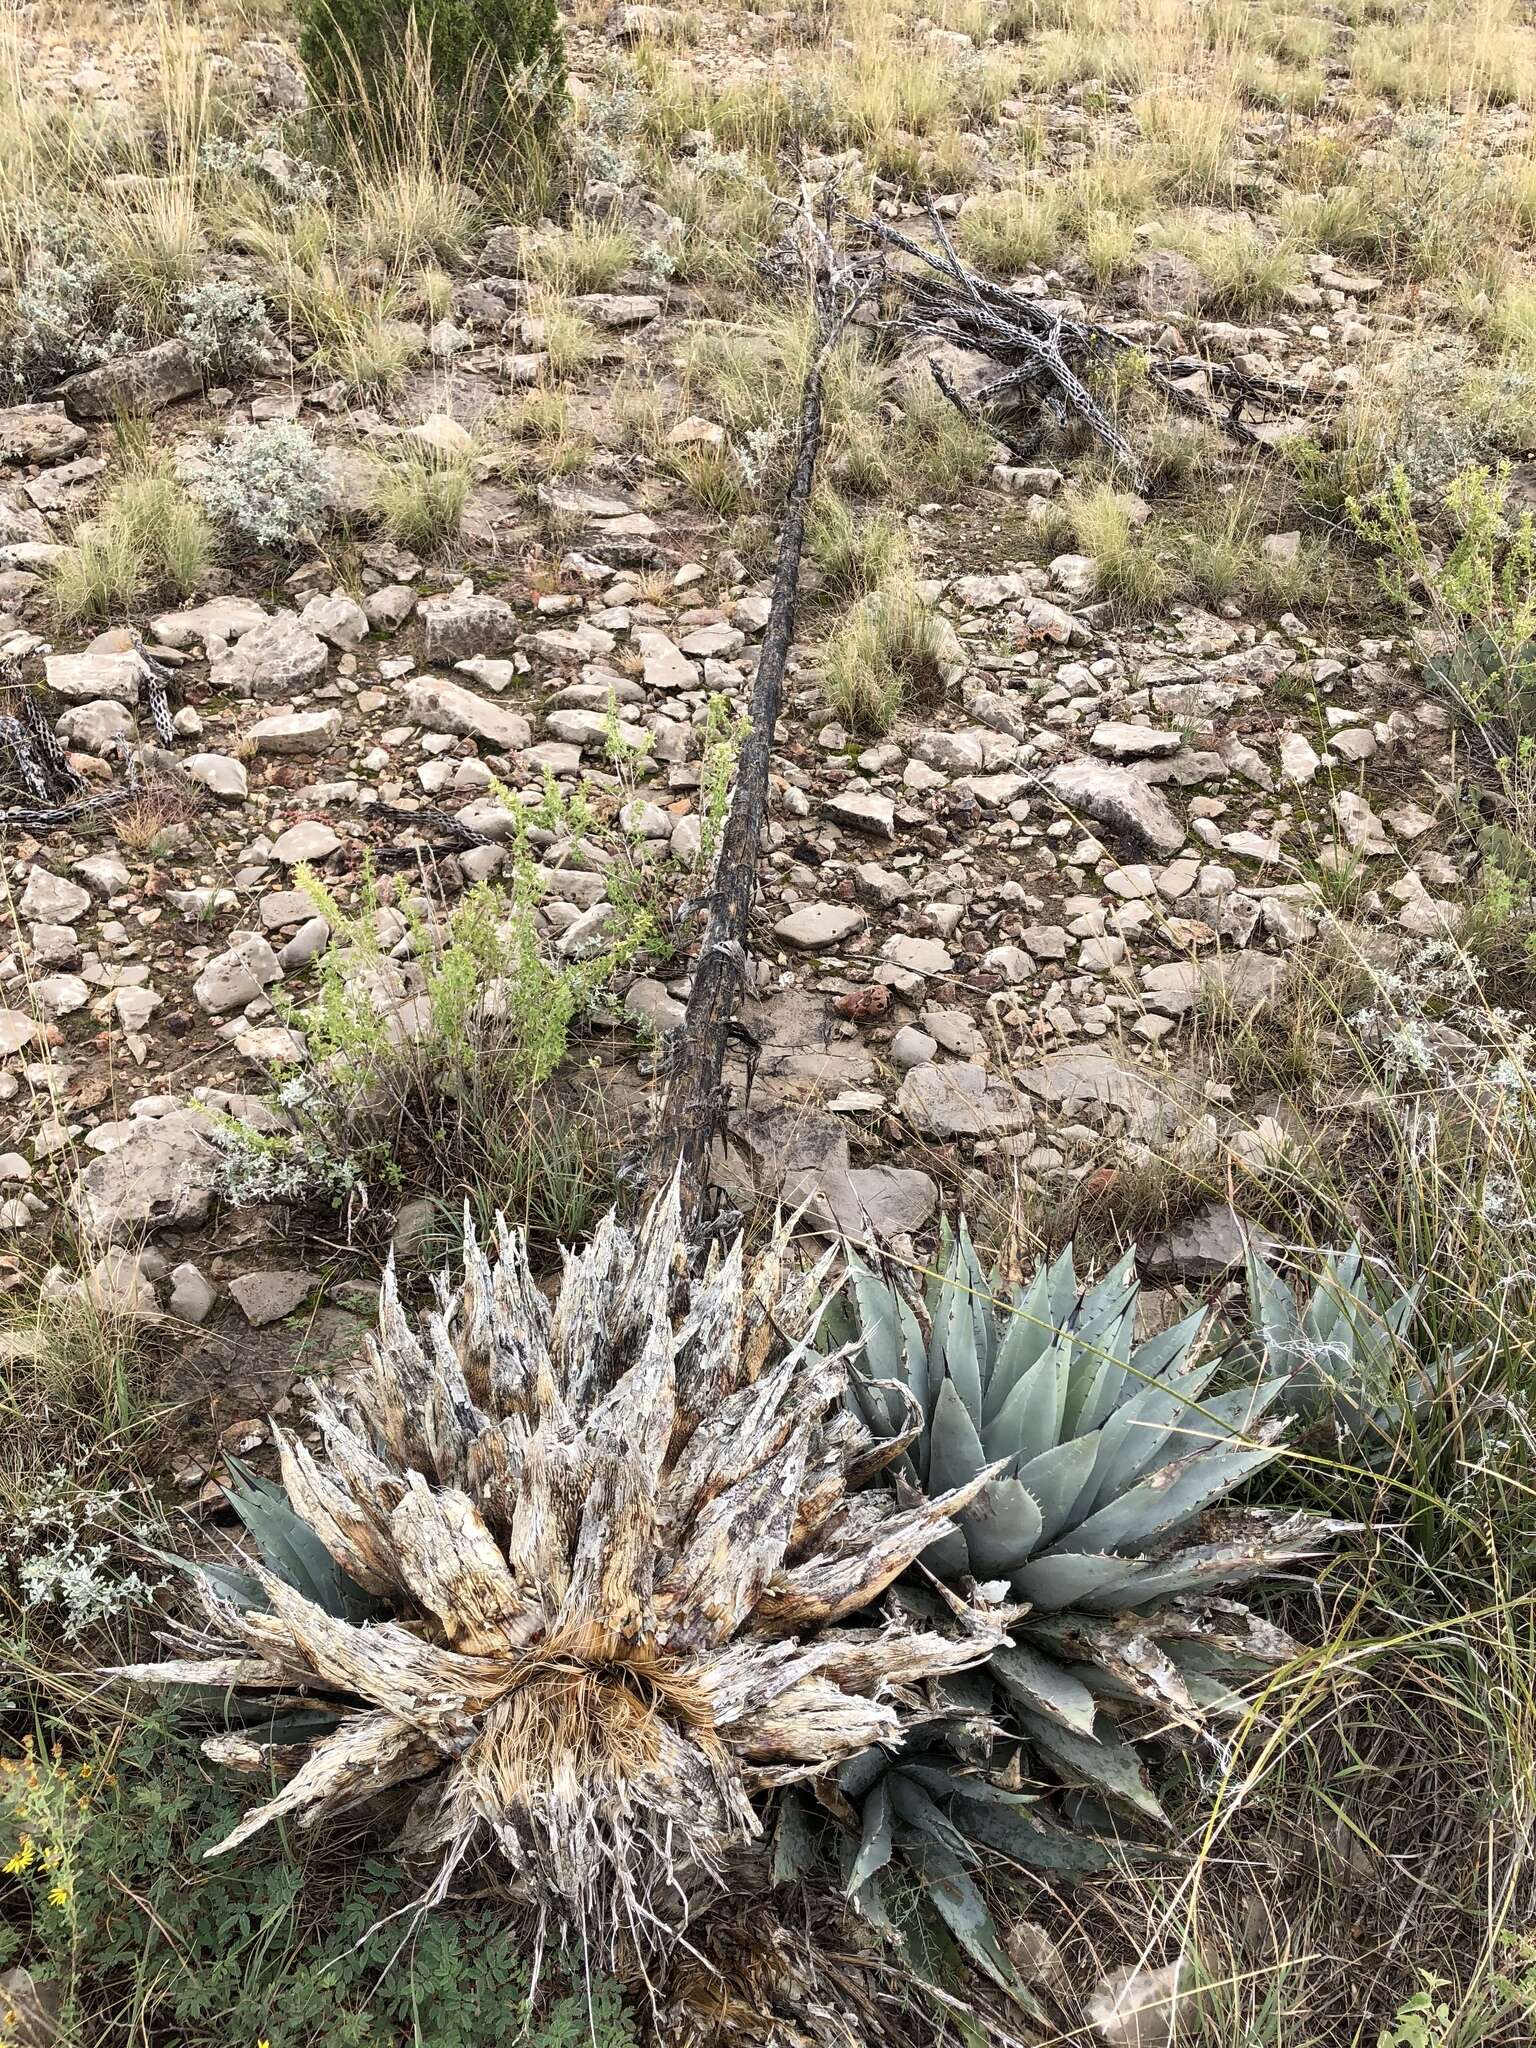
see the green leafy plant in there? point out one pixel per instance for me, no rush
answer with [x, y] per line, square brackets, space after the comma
[112, 1910]
[1481, 590]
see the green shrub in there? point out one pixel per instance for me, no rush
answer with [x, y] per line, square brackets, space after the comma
[486, 74]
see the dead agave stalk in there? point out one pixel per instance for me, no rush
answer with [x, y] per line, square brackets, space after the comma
[692, 1110]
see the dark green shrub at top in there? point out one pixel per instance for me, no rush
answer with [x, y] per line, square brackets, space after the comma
[468, 76]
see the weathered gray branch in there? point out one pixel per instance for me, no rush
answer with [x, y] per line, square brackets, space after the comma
[693, 1102]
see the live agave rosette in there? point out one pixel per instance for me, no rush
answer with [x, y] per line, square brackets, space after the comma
[1106, 1511]
[589, 1580]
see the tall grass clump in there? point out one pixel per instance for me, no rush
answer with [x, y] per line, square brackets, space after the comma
[892, 649]
[149, 539]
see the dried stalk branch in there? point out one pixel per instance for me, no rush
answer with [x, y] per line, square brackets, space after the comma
[1045, 355]
[693, 1104]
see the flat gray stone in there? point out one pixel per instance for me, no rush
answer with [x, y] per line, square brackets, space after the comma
[53, 899]
[295, 732]
[618, 311]
[958, 1100]
[236, 977]
[274, 659]
[1122, 742]
[161, 1176]
[1206, 1244]
[89, 677]
[439, 706]
[40, 433]
[142, 382]
[914, 954]
[864, 812]
[1122, 803]
[220, 773]
[1073, 1080]
[1173, 987]
[310, 840]
[816, 926]
[217, 618]
[455, 627]
[267, 1297]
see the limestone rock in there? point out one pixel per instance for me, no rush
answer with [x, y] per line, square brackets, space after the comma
[1123, 742]
[337, 619]
[53, 899]
[138, 383]
[618, 311]
[217, 618]
[39, 433]
[816, 926]
[234, 978]
[310, 840]
[1122, 803]
[1205, 1245]
[273, 659]
[267, 1297]
[295, 732]
[957, 1100]
[220, 773]
[459, 625]
[89, 677]
[440, 706]
[162, 1175]
[17, 1031]
[191, 1297]
[98, 726]
[864, 812]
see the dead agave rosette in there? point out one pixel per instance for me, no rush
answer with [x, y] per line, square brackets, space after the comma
[590, 1578]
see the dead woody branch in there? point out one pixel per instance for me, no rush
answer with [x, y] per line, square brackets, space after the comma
[1046, 357]
[693, 1104]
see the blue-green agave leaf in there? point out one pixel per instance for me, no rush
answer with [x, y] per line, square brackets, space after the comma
[875, 1838]
[1159, 1504]
[954, 1896]
[924, 1816]
[1056, 1478]
[1043, 1686]
[1065, 1578]
[1002, 1527]
[1108, 1764]
[956, 1454]
[1027, 1332]
[290, 1549]
[1029, 1421]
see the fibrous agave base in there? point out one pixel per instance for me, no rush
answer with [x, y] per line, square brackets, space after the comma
[590, 1579]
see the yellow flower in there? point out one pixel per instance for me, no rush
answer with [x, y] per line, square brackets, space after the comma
[59, 1896]
[22, 1860]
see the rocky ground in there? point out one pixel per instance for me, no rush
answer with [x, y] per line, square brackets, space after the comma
[1003, 935]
